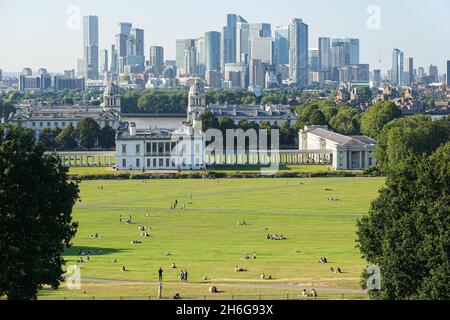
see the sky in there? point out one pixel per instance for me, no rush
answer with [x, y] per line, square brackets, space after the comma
[49, 33]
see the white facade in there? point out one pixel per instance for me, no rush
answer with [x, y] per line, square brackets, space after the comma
[345, 152]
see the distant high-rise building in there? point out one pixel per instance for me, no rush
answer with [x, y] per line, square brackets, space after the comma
[377, 77]
[242, 41]
[137, 40]
[262, 49]
[190, 61]
[448, 72]
[229, 37]
[91, 47]
[200, 59]
[345, 52]
[104, 65]
[397, 67]
[298, 52]
[125, 28]
[68, 83]
[408, 71]
[157, 59]
[257, 73]
[260, 30]
[114, 58]
[313, 60]
[212, 51]
[433, 74]
[325, 64]
[281, 45]
[181, 46]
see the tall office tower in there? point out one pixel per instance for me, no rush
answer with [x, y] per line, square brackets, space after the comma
[181, 46]
[448, 72]
[157, 59]
[262, 49]
[104, 61]
[281, 45]
[91, 47]
[345, 52]
[229, 39]
[397, 67]
[260, 30]
[27, 72]
[257, 73]
[200, 59]
[229, 54]
[242, 41]
[190, 61]
[298, 52]
[337, 54]
[313, 60]
[125, 28]
[325, 61]
[113, 59]
[433, 74]
[137, 40]
[408, 71]
[212, 51]
[377, 77]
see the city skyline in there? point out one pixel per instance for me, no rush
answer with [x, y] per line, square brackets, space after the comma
[375, 44]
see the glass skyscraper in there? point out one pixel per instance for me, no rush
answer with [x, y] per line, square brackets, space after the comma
[212, 51]
[397, 67]
[298, 52]
[91, 47]
[281, 45]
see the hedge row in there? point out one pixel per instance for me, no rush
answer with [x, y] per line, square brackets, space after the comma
[220, 175]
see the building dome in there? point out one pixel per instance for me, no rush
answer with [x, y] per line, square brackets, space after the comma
[111, 89]
[197, 89]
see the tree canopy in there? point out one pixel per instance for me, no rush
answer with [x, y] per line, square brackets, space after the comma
[377, 116]
[407, 232]
[35, 213]
[410, 135]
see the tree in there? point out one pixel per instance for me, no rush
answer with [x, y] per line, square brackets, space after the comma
[317, 118]
[66, 140]
[407, 232]
[209, 121]
[410, 135]
[35, 213]
[346, 121]
[47, 138]
[88, 133]
[6, 108]
[107, 138]
[377, 116]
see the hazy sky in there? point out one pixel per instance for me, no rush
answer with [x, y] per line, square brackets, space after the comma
[43, 34]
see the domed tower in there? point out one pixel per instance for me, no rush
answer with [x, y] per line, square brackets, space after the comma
[197, 98]
[111, 97]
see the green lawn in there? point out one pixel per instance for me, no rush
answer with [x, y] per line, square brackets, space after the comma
[206, 240]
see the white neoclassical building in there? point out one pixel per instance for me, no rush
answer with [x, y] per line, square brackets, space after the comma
[37, 117]
[344, 152]
[156, 148]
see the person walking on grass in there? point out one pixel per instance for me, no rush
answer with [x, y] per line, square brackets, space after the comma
[160, 274]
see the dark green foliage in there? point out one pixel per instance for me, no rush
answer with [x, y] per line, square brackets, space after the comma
[377, 116]
[410, 135]
[35, 213]
[88, 133]
[407, 232]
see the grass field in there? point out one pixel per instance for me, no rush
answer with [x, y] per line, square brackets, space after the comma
[206, 240]
[231, 169]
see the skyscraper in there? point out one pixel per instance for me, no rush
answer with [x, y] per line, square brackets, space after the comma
[181, 46]
[433, 74]
[242, 41]
[91, 47]
[408, 71]
[298, 52]
[448, 72]
[212, 51]
[325, 65]
[104, 61]
[281, 45]
[200, 59]
[262, 49]
[229, 54]
[157, 59]
[397, 67]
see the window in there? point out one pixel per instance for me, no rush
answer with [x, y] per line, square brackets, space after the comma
[161, 163]
[63, 124]
[154, 163]
[34, 124]
[41, 124]
[49, 124]
[167, 163]
[138, 163]
[124, 163]
[124, 148]
[138, 148]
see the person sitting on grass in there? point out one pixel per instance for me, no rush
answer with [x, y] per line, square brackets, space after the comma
[174, 266]
[123, 269]
[213, 289]
[236, 269]
[313, 293]
[304, 293]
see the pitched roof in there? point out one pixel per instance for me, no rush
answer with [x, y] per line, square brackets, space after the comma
[341, 139]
